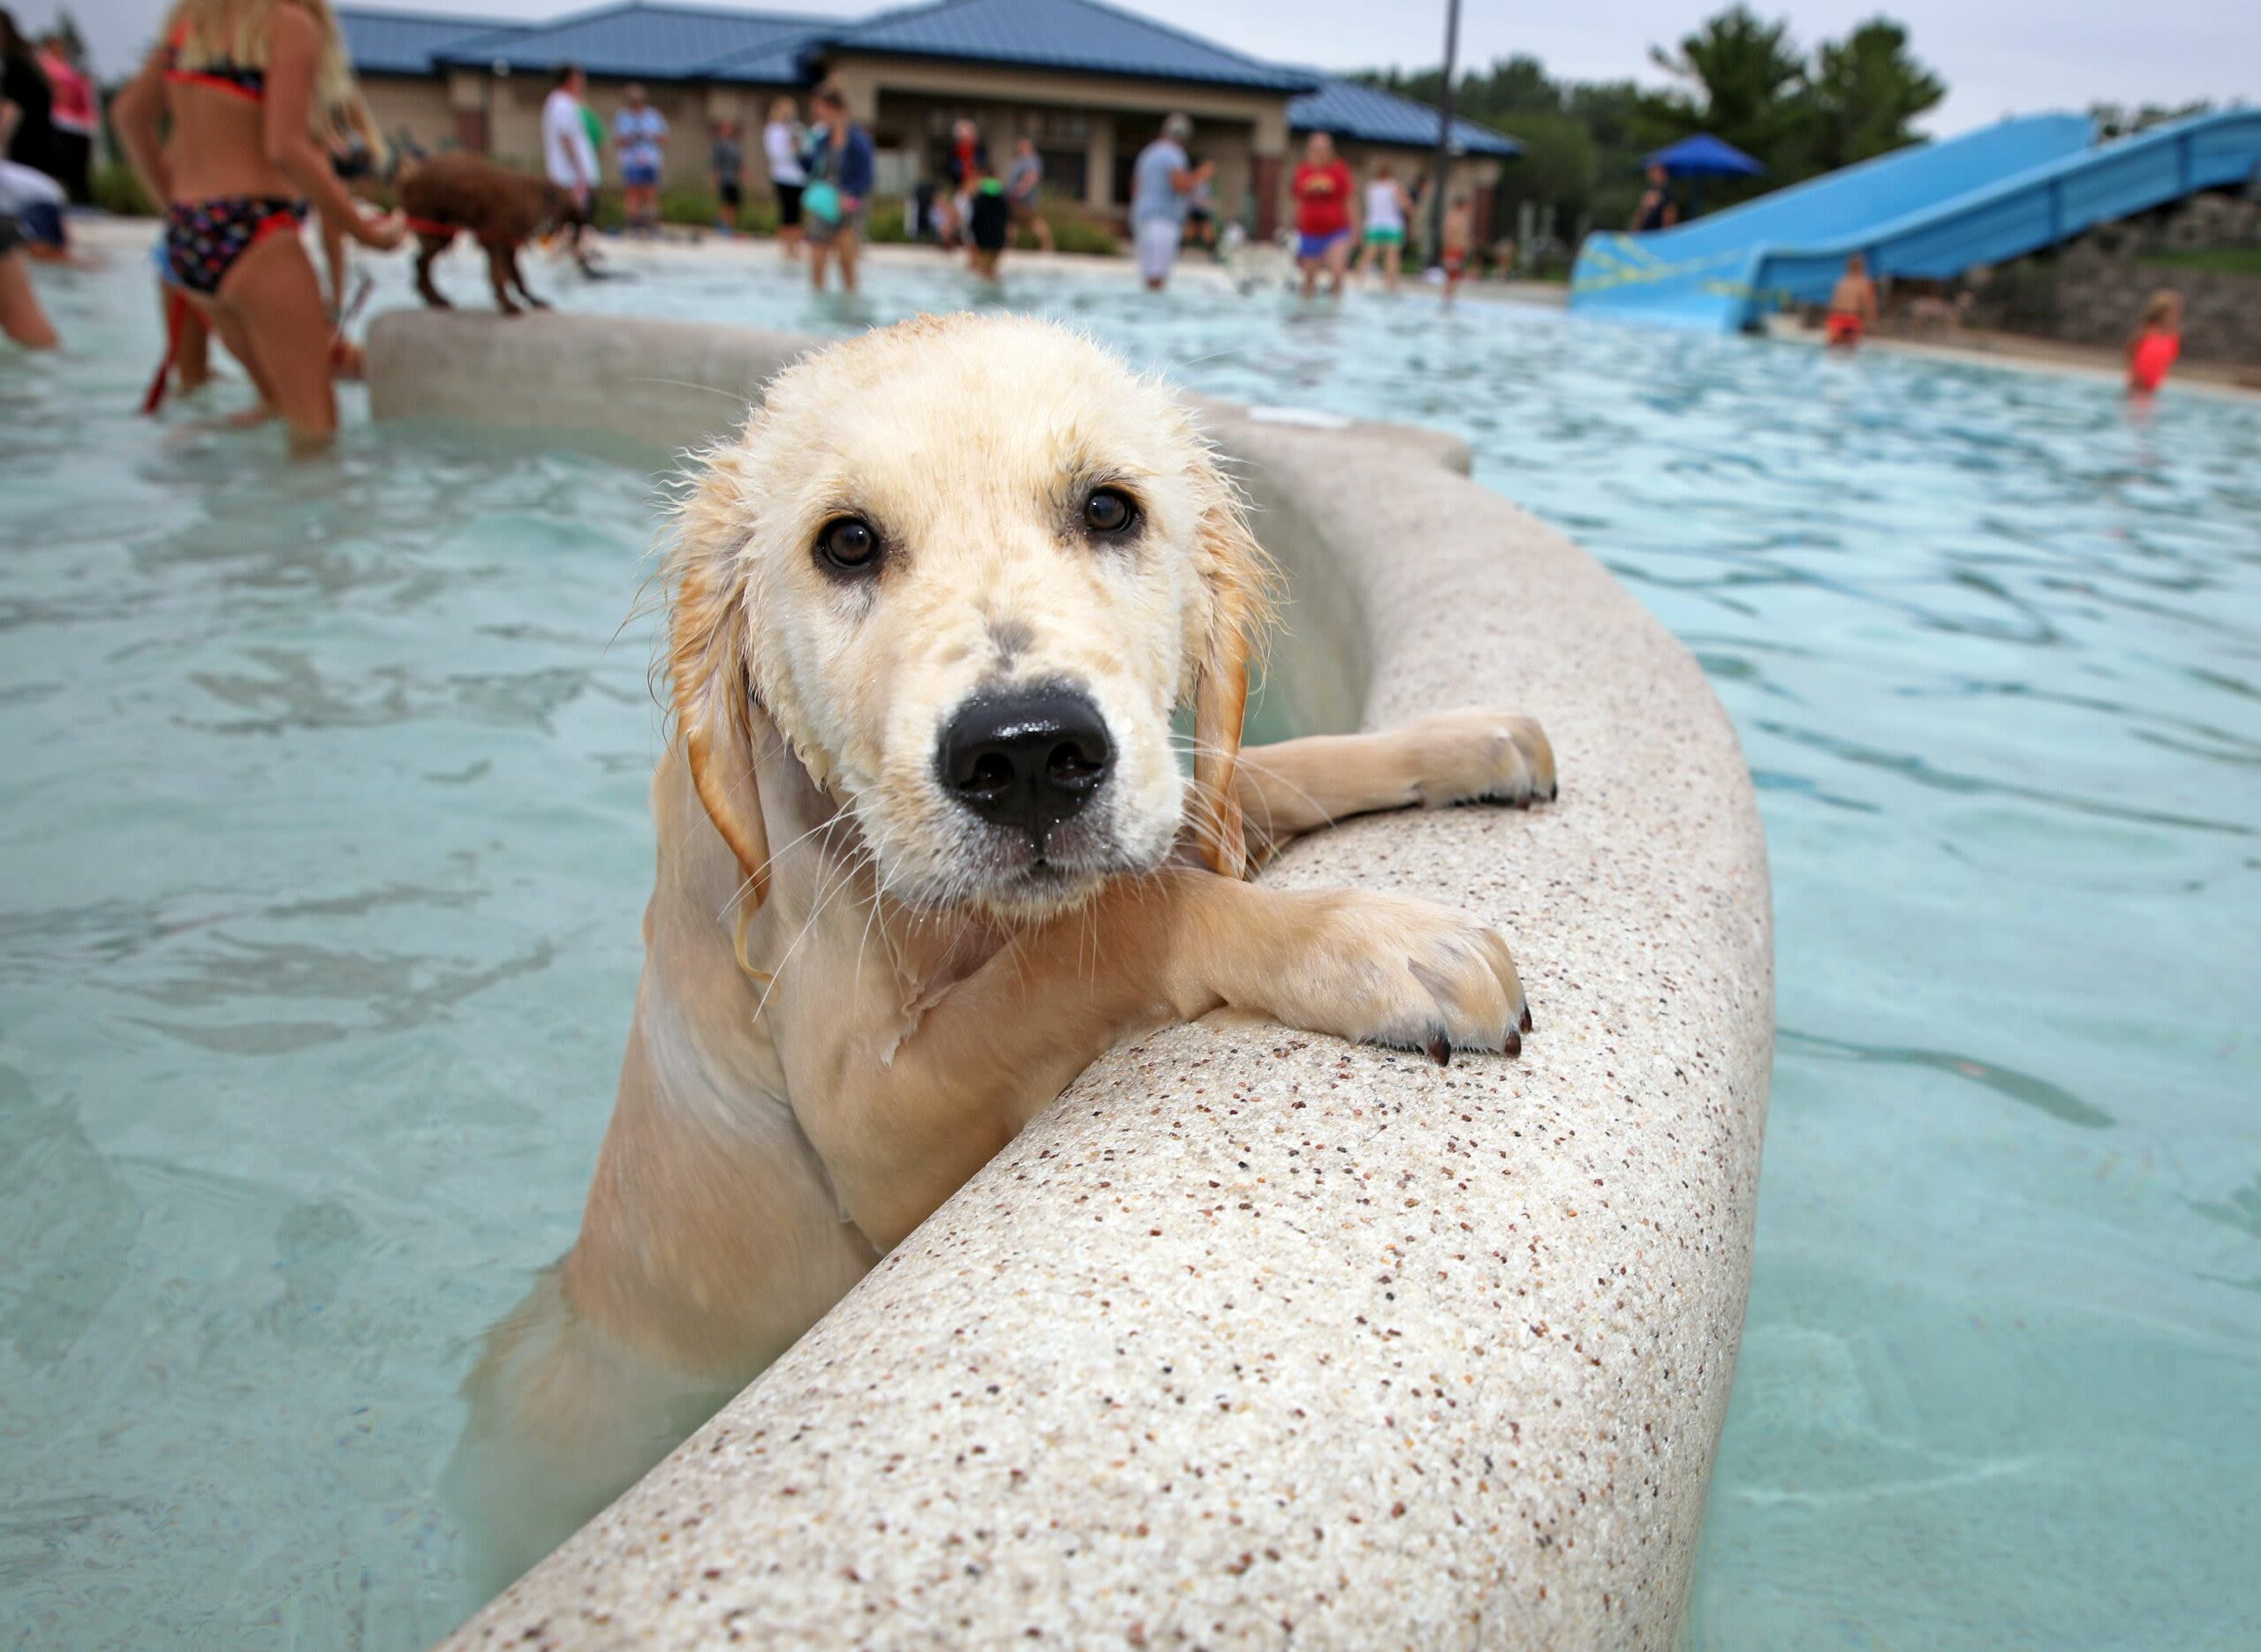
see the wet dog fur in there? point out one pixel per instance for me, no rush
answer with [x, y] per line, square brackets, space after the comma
[858, 986]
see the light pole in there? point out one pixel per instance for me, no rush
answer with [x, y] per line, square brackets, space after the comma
[1444, 137]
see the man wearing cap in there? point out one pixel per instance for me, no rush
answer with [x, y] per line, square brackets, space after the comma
[1162, 182]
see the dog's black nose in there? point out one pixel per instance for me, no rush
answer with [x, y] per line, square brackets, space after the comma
[1027, 760]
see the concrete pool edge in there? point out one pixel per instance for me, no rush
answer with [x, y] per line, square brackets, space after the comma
[1255, 1329]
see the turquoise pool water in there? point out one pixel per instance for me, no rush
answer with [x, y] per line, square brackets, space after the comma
[324, 842]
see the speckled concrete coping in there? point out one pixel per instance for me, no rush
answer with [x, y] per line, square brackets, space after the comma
[1258, 1338]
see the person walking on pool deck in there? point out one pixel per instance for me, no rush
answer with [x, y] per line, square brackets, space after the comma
[2155, 344]
[841, 165]
[727, 156]
[568, 154]
[781, 143]
[1324, 226]
[640, 132]
[1023, 187]
[1162, 181]
[1852, 305]
[226, 122]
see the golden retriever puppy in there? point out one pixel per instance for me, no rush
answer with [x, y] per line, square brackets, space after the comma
[925, 850]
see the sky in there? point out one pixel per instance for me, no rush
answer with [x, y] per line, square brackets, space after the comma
[1997, 57]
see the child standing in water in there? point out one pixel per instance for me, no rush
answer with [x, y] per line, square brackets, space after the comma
[1460, 234]
[989, 220]
[2155, 344]
[1852, 305]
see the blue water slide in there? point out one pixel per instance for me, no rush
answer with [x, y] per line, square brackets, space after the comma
[1931, 211]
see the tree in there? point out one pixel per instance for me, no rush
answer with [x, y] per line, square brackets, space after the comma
[2117, 120]
[1867, 91]
[1746, 82]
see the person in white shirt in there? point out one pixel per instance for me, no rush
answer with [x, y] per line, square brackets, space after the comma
[781, 142]
[1388, 208]
[567, 152]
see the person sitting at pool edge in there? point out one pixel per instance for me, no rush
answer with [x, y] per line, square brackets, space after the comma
[1852, 305]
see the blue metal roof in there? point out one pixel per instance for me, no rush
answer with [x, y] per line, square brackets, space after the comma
[1367, 114]
[1078, 36]
[406, 42]
[654, 42]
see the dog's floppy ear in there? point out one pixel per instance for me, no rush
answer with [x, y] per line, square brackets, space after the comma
[1240, 577]
[712, 681]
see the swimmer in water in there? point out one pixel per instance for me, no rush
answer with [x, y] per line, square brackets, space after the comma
[1852, 305]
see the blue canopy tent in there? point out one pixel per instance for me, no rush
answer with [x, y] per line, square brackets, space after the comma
[1700, 157]
[1703, 157]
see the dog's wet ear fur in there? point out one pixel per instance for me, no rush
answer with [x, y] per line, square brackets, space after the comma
[1240, 579]
[715, 715]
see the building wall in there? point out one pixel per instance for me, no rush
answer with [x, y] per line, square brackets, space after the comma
[1087, 152]
[1090, 125]
[1240, 129]
[414, 106]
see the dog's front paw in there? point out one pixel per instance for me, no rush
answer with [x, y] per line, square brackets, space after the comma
[1480, 756]
[1387, 968]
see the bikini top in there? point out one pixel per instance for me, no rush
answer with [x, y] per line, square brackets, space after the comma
[237, 80]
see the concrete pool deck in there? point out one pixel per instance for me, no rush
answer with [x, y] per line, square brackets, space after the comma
[1256, 1336]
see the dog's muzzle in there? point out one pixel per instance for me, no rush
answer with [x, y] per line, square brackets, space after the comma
[1028, 760]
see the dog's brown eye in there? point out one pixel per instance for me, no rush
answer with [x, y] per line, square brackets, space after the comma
[1109, 511]
[849, 543]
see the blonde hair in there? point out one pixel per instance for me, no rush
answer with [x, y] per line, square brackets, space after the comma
[238, 32]
[2163, 308]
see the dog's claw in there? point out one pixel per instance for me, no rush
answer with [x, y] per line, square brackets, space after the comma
[1440, 1050]
[1525, 1020]
[1513, 1046]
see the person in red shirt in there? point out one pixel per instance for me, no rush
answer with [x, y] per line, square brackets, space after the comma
[75, 117]
[2155, 344]
[1325, 199]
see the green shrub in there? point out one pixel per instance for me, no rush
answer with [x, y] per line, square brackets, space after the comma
[117, 188]
[759, 217]
[688, 206]
[886, 223]
[1076, 232]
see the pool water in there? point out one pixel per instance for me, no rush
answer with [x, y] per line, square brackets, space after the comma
[325, 845]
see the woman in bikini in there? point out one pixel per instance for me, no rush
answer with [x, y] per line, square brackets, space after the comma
[246, 85]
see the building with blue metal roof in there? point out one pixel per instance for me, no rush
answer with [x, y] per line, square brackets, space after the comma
[1088, 82]
[1358, 114]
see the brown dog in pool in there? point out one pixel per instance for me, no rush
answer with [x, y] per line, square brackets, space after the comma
[450, 194]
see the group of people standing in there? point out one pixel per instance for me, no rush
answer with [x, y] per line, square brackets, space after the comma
[1334, 218]
[572, 139]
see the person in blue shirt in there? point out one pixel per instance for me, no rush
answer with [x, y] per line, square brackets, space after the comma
[641, 132]
[841, 165]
